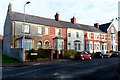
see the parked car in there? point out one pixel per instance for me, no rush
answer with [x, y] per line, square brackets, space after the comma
[116, 54]
[83, 55]
[101, 55]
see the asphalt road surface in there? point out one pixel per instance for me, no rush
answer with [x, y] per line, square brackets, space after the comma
[96, 69]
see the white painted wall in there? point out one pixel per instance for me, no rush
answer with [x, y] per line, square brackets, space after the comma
[73, 38]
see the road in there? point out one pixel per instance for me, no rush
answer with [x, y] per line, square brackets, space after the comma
[96, 69]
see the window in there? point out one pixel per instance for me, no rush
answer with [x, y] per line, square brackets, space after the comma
[47, 31]
[58, 44]
[96, 36]
[91, 46]
[112, 30]
[88, 47]
[79, 46]
[105, 47]
[61, 45]
[94, 46]
[39, 30]
[75, 46]
[69, 34]
[103, 36]
[55, 45]
[89, 35]
[98, 47]
[58, 32]
[39, 44]
[26, 28]
[28, 44]
[69, 45]
[77, 34]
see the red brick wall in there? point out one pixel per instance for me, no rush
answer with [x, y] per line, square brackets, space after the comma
[1, 37]
[52, 35]
[92, 39]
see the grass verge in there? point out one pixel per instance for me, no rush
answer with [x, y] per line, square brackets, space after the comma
[6, 59]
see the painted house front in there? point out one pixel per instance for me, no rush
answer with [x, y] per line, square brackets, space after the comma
[75, 39]
[112, 36]
[95, 42]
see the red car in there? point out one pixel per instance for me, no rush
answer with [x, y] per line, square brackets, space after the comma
[83, 55]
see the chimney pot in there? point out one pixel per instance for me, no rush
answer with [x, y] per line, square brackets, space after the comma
[9, 7]
[73, 20]
[57, 18]
[96, 25]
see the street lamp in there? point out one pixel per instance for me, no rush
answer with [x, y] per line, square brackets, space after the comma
[24, 32]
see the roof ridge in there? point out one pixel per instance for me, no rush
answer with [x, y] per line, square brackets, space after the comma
[106, 23]
[39, 16]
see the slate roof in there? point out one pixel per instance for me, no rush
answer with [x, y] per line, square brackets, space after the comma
[15, 16]
[105, 26]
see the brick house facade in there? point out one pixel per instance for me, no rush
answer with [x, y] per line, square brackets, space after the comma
[112, 36]
[47, 33]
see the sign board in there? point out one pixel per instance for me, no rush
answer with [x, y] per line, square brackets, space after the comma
[33, 53]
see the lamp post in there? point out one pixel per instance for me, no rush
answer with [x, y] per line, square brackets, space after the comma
[24, 32]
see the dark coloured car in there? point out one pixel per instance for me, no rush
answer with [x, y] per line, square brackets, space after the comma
[116, 54]
[83, 55]
[101, 55]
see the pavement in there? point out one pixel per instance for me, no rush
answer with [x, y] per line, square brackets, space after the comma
[9, 65]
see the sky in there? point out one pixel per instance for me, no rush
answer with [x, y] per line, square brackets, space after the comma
[86, 11]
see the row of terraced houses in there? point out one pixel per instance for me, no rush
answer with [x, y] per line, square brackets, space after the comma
[56, 34]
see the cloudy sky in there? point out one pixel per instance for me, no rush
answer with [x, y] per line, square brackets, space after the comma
[86, 11]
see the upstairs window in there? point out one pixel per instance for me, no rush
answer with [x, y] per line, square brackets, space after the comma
[89, 35]
[47, 31]
[39, 30]
[96, 36]
[112, 30]
[58, 32]
[69, 34]
[26, 28]
[77, 34]
[103, 36]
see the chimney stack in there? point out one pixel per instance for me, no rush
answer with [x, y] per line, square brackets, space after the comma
[96, 25]
[9, 7]
[73, 20]
[57, 18]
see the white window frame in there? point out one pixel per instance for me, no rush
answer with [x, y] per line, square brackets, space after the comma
[77, 35]
[89, 35]
[103, 37]
[26, 28]
[69, 34]
[96, 36]
[47, 30]
[40, 30]
[58, 32]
